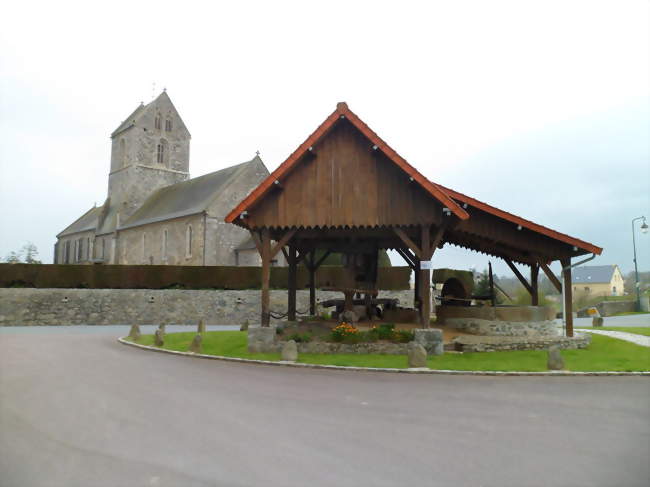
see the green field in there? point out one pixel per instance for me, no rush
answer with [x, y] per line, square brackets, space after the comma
[639, 330]
[604, 354]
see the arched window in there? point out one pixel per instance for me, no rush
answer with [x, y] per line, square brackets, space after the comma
[164, 244]
[188, 241]
[168, 125]
[162, 153]
[156, 122]
[122, 153]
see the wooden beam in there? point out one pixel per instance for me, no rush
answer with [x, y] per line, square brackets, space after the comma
[266, 276]
[322, 259]
[257, 241]
[309, 262]
[491, 278]
[437, 239]
[408, 242]
[292, 284]
[568, 295]
[282, 242]
[551, 277]
[408, 258]
[534, 284]
[521, 278]
[425, 245]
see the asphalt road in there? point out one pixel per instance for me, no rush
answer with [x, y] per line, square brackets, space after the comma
[79, 409]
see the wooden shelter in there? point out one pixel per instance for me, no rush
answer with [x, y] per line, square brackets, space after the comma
[345, 190]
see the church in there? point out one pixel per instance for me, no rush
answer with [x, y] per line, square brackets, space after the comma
[154, 213]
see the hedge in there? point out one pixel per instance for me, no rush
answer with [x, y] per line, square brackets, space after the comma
[177, 277]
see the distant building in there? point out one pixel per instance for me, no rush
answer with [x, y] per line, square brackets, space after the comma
[598, 280]
[154, 213]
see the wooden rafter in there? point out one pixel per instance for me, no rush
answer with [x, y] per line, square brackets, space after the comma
[521, 278]
[408, 242]
[551, 277]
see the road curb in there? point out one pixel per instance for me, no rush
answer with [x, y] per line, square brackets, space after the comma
[559, 373]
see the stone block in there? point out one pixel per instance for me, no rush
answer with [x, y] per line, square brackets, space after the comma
[555, 360]
[201, 327]
[159, 337]
[597, 321]
[197, 344]
[134, 332]
[417, 356]
[244, 326]
[261, 339]
[290, 351]
[431, 339]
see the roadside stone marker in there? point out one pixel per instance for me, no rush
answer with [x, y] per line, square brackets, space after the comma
[431, 339]
[597, 321]
[201, 327]
[244, 327]
[417, 356]
[290, 351]
[159, 337]
[161, 327]
[197, 344]
[134, 332]
[261, 339]
[555, 360]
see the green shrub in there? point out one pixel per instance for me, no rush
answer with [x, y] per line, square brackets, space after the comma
[404, 336]
[385, 331]
[344, 331]
[300, 337]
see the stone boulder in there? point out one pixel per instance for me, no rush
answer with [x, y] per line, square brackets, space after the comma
[201, 327]
[261, 339]
[244, 326]
[197, 344]
[349, 317]
[555, 360]
[417, 356]
[431, 339]
[159, 337]
[134, 332]
[597, 321]
[161, 327]
[290, 351]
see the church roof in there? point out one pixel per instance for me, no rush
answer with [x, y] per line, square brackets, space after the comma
[131, 120]
[86, 222]
[186, 198]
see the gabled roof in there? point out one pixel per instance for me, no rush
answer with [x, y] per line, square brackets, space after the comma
[86, 222]
[132, 119]
[188, 197]
[595, 274]
[517, 220]
[342, 111]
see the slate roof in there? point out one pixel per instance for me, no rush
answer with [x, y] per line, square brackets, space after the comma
[186, 198]
[86, 222]
[130, 120]
[596, 274]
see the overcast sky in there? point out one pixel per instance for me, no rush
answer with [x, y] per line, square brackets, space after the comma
[539, 108]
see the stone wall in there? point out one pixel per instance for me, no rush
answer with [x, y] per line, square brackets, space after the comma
[610, 308]
[30, 306]
[477, 326]
[501, 343]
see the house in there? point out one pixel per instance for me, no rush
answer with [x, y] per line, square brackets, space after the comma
[598, 280]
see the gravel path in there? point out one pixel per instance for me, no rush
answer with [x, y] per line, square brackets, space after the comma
[642, 340]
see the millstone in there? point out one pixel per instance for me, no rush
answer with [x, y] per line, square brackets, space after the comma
[197, 344]
[555, 360]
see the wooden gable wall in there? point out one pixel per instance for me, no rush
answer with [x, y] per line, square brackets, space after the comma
[345, 183]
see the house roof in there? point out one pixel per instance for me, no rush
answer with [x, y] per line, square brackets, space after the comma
[86, 222]
[595, 274]
[186, 198]
[342, 111]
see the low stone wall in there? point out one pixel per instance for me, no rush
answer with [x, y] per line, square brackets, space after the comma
[477, 326]
[501, 343]
[610, 308]
[498, 313]
[30, 306]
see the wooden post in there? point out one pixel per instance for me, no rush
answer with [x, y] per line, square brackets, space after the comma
[311, 266]
[568, 296]
[425, 276]
[292, 284]
[491, 279]
[534, 285]
[266, 276]
[416, 291]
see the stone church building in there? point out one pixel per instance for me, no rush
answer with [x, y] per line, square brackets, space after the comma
[156, 214]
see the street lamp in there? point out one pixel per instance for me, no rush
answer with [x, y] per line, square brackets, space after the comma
[644, 229]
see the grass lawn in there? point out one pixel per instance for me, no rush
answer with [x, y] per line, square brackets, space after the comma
[626, 313]
[639, 330]
[604, 354]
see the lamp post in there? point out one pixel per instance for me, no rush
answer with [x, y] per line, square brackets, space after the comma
[644, 229]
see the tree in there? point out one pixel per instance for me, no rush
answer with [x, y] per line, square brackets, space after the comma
[27, 254]
[13, 258]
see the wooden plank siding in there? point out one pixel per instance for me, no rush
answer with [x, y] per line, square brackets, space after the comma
[345, 184]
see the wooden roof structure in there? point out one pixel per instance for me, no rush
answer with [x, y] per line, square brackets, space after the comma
[345, 189]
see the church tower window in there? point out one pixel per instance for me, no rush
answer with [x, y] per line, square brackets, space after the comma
[157, 123]
[188, 241]
[161, 152]
[168, 125]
